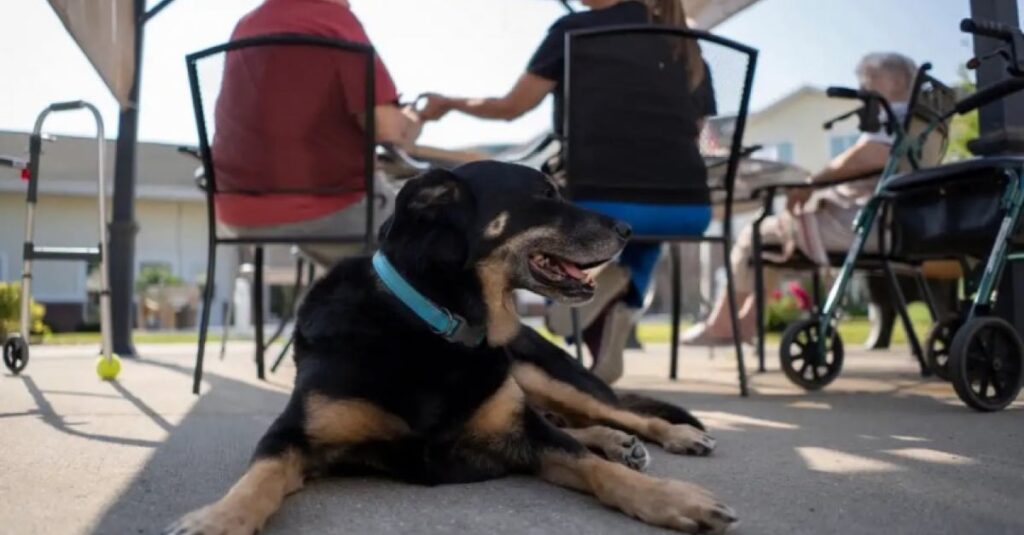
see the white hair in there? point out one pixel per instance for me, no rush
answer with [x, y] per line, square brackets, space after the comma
[892, 63]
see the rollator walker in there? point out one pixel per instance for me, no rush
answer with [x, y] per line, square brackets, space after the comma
[968, 211]
[16, 347]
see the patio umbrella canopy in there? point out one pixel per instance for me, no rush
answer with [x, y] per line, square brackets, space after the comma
[105, 31]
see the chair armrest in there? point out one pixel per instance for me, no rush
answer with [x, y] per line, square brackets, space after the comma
[525, 152]
[11, 161]
[200, 174]
[189, 150]
[815, 185]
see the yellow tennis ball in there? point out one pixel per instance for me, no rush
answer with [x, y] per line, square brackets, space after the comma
[108, 369]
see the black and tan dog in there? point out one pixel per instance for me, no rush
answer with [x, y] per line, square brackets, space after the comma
[379, 388]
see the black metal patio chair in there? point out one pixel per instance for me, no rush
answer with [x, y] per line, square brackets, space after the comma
[283, 51]
[630, 129]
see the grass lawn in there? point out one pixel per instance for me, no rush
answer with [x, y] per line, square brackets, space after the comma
[852, 330]
[140, 337]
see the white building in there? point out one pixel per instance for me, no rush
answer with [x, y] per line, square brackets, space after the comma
[170, 211]
[790, 129]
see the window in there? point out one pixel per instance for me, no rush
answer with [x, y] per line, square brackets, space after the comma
[838, 144]
[779, 152]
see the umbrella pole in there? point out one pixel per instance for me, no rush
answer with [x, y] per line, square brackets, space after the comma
[123, 227]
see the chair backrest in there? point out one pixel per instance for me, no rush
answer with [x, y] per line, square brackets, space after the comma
[634, 108]
[930, 100]
[258, 99]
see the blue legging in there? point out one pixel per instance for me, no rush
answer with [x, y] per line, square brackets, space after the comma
[641, 258]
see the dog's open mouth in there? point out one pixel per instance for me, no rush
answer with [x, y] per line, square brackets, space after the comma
[569, 277]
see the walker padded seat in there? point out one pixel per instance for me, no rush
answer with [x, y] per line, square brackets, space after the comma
[963, 170]
[949, 210]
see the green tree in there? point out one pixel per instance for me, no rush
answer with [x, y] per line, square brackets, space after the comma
[963, 128]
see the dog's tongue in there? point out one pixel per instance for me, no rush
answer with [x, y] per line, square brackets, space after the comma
[571, 269]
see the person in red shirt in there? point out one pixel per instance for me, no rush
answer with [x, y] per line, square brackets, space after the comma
[292, 118]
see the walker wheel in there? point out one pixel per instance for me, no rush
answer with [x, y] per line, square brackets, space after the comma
[802, 359]
[16, 354]
[938, 343]
[985, 364]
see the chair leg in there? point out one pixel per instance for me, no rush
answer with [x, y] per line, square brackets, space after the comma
[297, 286]
[228, 314]
[204, 322]
[734, 317]
[677, 298]
[759, 297]
[577, 335]
[257, 302]
[283, 353]
[927, 295]
[908, 325]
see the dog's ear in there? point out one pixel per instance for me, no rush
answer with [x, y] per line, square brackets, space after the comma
[433, 196]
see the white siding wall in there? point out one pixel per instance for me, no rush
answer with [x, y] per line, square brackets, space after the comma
[173, 233]
[797, 120]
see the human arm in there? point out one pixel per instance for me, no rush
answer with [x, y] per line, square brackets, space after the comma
[394, 125]
[864, 157]
[525, 95]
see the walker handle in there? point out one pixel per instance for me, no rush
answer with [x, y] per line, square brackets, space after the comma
[66, 106]
[991, 93]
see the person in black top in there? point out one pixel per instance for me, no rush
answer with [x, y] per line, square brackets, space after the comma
[622, 287]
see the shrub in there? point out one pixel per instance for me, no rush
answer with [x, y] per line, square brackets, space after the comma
[156, 276]
[10, 310]
[783, 309]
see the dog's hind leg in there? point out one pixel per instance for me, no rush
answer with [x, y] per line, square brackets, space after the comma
[613, 445]
[507, 431]
[311, 428]
[581, 408]
[659, 409]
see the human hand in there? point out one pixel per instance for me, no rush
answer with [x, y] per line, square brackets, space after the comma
[796, 198]
[436, 106]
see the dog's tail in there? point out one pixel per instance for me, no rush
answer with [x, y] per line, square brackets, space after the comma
[660, 409]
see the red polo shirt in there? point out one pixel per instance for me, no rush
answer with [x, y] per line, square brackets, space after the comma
[286, 117]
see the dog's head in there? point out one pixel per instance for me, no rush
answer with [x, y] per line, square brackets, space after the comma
[501, 227]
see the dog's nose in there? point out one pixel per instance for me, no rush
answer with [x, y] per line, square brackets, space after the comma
[623, 229]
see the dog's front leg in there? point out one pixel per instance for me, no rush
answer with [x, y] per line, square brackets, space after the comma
[613, 444]
[250, 502]
[672, 504]
[311, 425]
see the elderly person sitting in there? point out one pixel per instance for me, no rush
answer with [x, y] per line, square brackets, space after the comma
[816, 220]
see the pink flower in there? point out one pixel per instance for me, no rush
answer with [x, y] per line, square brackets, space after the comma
[776, 295]
[803, 300]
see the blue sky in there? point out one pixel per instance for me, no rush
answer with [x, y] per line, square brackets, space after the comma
[465, 47]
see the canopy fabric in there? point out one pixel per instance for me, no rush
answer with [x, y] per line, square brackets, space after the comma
[105, 31]
[709, 13]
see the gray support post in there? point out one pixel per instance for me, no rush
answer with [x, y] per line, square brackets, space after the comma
[1001, 131]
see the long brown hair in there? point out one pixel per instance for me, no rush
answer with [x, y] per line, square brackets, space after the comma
[672, 13]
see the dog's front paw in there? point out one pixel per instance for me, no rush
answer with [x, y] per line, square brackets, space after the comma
[626, 449]
[685, 507]
[213, 520]
[686, 439]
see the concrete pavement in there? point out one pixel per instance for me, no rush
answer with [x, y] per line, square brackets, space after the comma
[880, 451]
